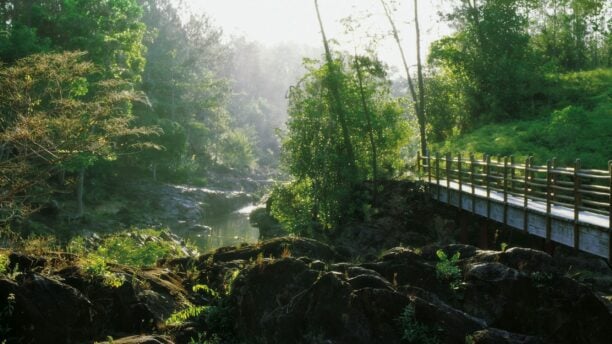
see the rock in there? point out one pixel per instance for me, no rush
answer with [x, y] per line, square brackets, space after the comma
[496, 336]
[141, 340]
[528, 260]
[49, 311]
[279, 247]
[452, 325]
[369, 281]
[318, 265]
[545, 305]
[491, 272]
[25, 263]
[268, 226]
[402, 266]
[141, 304]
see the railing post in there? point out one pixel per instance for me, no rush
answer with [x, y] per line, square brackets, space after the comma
[610, 214]
[577, 203]
[472, 169]
[438, 176]
[525, 199]
[487, 174]
[429, 171]
[418, 170]
[448, 176]
[512, 174]
[460, 183]
[548, 201]
[553, 180]
[505, 190]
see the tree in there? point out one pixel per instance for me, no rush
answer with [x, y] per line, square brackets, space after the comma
[54, 119]
[110, 31]
[317, 159]
[418, 96]
[332, 83]
[491, 52]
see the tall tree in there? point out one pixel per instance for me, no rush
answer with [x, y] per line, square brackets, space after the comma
[332, 82]
[56, 119]
[418, 99]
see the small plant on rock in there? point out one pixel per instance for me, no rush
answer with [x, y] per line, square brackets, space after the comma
[4, 263]
[413, 331]
[447, 269]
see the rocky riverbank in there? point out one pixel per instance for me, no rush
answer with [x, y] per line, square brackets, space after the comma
[396, 276]
[290, 290]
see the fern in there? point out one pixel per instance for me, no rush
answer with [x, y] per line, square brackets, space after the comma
[181, 316]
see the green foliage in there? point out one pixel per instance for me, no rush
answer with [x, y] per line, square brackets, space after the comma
[321, 157]
[95, 267]
[447, 269]
[4, 263]
[6, 312]
[135, 248]
[504, 246]
[48, 125]
[491, 61]
[128, 251]
[413, 331]
[203, 288]
[179, 317]
[110, 31]
[291, 205]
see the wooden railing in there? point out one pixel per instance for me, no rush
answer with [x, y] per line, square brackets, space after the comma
[575, 193]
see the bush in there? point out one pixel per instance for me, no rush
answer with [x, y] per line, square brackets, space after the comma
[447, 269]
[413, 331]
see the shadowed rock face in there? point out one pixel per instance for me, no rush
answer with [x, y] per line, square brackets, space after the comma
[292, 290]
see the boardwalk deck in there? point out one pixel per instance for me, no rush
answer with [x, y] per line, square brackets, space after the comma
[533, 207]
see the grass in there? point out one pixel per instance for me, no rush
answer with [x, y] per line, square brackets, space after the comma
[576, 124]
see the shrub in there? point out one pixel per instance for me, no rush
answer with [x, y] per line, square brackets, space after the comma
[413, 331]
[4, 263]
[447, 269]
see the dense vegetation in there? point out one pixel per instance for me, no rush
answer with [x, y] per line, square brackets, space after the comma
[107, 105]
[516, 61]
[98, 92]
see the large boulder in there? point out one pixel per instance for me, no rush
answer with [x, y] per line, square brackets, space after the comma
[49, 311]
[276, 248]
[546, 305]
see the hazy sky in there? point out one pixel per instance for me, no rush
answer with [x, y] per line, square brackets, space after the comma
[275, 21]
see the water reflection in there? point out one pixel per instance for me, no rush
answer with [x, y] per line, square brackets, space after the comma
[228, 230]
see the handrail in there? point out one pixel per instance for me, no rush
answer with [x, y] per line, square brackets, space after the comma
[589, 185]
[575, 188]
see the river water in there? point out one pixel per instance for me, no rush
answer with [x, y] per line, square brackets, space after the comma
[227, 230]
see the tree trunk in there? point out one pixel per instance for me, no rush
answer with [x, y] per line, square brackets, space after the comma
[366, 110]
[413, 93]
[421, 109]
[80, 192]
[336, 99]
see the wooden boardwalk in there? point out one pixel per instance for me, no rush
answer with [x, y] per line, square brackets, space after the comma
[566, 205]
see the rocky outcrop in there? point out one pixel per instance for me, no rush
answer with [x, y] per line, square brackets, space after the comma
[294, 290]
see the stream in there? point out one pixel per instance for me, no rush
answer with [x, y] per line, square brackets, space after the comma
[226, 230]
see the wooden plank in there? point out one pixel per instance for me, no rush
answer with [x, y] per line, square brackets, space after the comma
[525, 193]
[438, 175]
[610, 213]
[487, 175]
[472, 181]
[505, 191]
[460, 181]
[429, 168]
[577, 205]
[548, 201]
[448, 168]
